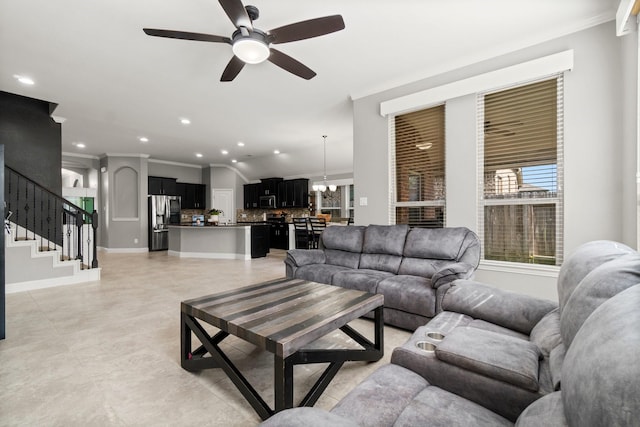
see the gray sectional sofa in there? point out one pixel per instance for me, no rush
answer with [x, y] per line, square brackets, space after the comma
[506, 358]
[411, 267]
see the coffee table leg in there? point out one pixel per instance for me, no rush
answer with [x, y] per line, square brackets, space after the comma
[185, 340]
[283, 383]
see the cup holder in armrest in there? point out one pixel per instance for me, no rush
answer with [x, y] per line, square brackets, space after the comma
[426, 346]
[436, 336]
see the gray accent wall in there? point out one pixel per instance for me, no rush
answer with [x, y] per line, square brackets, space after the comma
[124, 210]
[600, 146]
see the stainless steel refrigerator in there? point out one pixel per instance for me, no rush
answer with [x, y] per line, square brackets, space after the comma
[163, 210]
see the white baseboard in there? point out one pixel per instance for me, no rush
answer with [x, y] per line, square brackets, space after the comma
[83, 276]
[123, 250]
[208, 255]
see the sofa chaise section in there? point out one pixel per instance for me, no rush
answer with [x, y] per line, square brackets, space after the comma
[599, 386]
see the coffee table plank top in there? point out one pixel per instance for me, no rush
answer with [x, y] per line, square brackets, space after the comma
[283, 315]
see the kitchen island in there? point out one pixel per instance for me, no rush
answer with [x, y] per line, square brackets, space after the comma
[219, 242]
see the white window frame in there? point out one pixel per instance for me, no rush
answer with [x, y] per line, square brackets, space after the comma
[558, 201]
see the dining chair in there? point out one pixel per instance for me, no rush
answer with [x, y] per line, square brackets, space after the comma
[317, 227]
[304, 238]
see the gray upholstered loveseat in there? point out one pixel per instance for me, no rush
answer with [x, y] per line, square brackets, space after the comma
[411, 267]
[594, 329]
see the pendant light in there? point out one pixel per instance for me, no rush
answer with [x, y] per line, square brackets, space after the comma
[324, 186]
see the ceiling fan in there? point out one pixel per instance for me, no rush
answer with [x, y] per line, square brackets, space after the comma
[252, 46]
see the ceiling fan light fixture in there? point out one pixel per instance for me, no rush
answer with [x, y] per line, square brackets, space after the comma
[251, 50]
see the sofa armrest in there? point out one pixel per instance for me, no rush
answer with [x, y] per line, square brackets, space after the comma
[300, 257]
[505, 308]
[451, 272]
[308, 417]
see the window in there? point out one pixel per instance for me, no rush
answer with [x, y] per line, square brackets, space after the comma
[418, 179]
[520, 164]
[338, 204]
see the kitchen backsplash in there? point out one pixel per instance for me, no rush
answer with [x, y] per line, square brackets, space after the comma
[254, 215]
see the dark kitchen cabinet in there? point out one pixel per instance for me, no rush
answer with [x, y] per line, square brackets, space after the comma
[260, 240]
[269, 186]
[160, 185]
[251, 196]
[294, 193]
[279, 238]
[192, 196]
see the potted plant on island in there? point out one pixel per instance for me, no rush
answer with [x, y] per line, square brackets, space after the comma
[213, 215]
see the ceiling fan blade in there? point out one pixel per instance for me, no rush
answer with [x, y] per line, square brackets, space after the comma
[291, 65]
[306, 29]
[233, 68]
[186, 35]
[237, 13]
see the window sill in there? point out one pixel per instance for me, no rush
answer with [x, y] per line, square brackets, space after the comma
[520, 268]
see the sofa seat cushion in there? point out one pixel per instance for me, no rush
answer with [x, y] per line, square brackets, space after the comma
[409, 293]
[381, 262]
[388, 390]
[442, 408]
[321, 273]
[361, 280]
[495, 355]
[548, 411]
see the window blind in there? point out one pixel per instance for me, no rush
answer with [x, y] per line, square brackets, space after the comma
[418, 175]
[520, 133]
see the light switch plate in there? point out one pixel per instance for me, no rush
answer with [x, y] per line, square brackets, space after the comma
[363, 201]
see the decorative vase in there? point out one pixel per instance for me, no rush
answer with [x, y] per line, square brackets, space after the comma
[213, 219]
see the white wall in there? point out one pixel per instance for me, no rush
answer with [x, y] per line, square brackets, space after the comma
[598, 143]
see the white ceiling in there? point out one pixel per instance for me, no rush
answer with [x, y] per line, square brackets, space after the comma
[113, 83]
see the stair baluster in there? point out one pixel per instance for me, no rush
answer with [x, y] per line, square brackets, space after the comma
[57, 222]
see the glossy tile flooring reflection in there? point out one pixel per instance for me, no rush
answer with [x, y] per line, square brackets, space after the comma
[107, 353]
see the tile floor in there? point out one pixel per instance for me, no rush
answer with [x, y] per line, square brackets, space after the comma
[107, 353]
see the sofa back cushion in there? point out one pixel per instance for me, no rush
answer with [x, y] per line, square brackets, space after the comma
[582, 261]
[601, 284]
[343, 245]
[349, 239]
[447, 243]
[601, 370]
[383, 246]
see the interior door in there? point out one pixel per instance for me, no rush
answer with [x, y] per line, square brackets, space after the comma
[223, 200]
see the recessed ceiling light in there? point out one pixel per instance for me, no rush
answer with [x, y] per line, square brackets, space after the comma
[198, 154]
[79, 144]
[225, 152]
[24, 80]
[276, 151]
[185, 121]
[143, 139]
[241, 144]
[234, 161]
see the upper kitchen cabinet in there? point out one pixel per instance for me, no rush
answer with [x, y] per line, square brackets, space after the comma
[251, 196]
[294, 193]
[269, 186]
[160, 185]
[192, 196]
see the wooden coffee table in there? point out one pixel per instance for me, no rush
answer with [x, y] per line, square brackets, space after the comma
[280, 316]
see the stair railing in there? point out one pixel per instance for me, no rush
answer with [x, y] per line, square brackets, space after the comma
[56, 223]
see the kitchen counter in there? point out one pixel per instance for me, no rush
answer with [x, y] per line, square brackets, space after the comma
[216, 242]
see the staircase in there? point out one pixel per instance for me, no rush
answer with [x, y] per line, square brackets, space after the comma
[49, 241]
